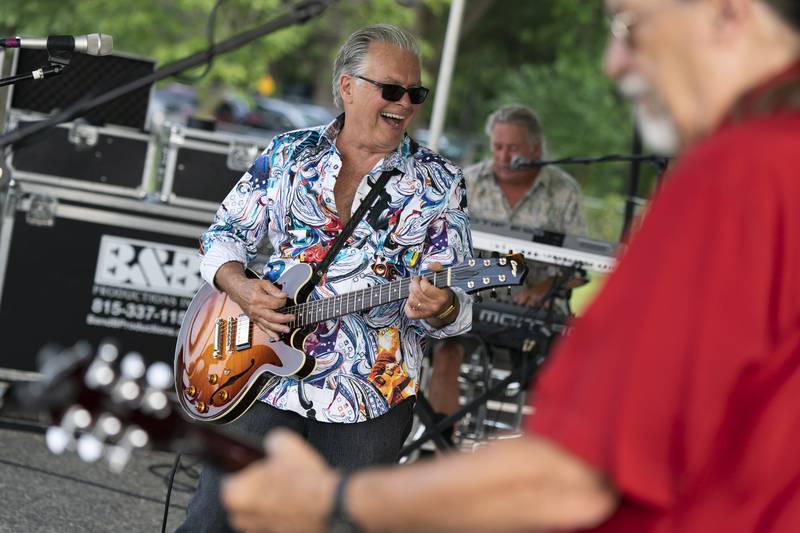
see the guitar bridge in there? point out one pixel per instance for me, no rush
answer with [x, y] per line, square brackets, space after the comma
[244, 333]
[219, 328]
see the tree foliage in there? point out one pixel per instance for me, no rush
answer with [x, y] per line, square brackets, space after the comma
[544, 53]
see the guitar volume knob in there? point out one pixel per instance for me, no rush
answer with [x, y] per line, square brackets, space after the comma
[213, 378]
[201, 407]
[191, 391]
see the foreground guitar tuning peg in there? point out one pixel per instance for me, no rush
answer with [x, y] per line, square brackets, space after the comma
[58, 439]
[119, 454]
[62, 438]
[108, 351]
[90, 448]
[159, 376]
[132, 365]
[478, 297]
[100, 374]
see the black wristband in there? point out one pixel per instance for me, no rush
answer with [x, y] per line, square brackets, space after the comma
[340, 521]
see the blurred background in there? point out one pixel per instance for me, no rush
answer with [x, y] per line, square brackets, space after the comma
[545, 53]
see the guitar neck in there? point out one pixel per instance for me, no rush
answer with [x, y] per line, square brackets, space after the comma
[352, 302]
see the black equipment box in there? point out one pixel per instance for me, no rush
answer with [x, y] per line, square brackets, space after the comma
[199, 168]
[86, 76]
[80, 265]
[76, 154]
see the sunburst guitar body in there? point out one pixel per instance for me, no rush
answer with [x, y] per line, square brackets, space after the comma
[223, 362]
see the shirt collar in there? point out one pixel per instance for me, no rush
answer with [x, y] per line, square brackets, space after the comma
[778, 93]
[395, 159]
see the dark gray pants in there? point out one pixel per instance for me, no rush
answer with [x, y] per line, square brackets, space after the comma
[345, 446]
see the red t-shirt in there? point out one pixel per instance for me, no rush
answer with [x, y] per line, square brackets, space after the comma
[682, 381]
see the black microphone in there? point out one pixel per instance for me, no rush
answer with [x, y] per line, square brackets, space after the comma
[94, 44]
[520, 163]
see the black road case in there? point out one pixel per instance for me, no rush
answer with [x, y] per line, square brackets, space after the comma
[109, 159]
[79, 265]
[199, 168]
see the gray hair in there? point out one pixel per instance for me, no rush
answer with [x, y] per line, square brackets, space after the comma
[788, 10]
[353, 53]
[518, 114]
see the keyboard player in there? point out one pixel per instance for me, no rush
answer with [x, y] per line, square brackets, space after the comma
[540, 197]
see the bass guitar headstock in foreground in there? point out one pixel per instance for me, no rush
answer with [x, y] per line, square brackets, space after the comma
[105, 406]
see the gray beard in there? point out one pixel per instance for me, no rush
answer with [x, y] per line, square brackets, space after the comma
[658, 131]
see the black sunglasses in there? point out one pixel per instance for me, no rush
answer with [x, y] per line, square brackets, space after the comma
[392, 92]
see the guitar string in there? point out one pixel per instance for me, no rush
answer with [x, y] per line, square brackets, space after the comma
[306, 311]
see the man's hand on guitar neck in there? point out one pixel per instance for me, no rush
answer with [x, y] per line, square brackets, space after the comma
[438, 307]
[258, 298]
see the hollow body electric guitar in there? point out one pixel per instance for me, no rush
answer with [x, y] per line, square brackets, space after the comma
[223, 361]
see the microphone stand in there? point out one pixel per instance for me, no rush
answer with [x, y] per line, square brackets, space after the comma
[299, 13]
[57, 62]
[660, 162]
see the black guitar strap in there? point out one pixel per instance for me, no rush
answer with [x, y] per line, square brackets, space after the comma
[366, 204]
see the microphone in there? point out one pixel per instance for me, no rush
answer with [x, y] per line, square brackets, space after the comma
[94, 44]
[520, 163]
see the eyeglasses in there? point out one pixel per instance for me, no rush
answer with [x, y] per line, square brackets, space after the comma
[622, 25]
[392, 92]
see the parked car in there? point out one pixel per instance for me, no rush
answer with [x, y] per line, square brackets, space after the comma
[174, 103]
[315, 115]
[275, 115]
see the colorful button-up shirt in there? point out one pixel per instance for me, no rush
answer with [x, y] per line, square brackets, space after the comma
[368, 361]
[553, 203]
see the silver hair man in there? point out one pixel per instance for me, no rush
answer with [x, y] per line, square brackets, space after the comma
[518, 114]
[351, 56]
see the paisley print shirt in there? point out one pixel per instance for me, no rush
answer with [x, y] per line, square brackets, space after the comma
[367, 362]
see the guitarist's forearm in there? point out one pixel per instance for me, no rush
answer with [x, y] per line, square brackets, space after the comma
[521, 484]
[229, 278]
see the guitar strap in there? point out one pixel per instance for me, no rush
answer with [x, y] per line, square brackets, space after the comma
[359, 215]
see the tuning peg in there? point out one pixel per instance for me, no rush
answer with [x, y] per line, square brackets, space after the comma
[62, 437]
[159, 376]
[493, 294]
[128, 388]
[108, 351]
[119, 454]
[89, 448]
[478, 298]
[100, 374]
[91, 445]
[132, 365]
[58, 439]
[107, 425]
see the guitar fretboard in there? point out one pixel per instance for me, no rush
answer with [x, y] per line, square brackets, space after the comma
[336, 306]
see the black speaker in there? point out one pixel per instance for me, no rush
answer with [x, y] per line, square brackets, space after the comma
[86, 76]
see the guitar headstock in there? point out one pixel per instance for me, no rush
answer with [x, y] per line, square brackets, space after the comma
[479, 274]
[107, 405]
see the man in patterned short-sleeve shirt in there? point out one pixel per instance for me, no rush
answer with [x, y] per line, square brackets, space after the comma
[540, 197]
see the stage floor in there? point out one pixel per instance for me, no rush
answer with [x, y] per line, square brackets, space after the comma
[44, 493]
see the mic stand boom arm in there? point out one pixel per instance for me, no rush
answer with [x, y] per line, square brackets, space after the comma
[57, 62]
[300, 13]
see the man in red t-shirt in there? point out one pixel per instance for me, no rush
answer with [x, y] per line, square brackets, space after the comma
[673, 405]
